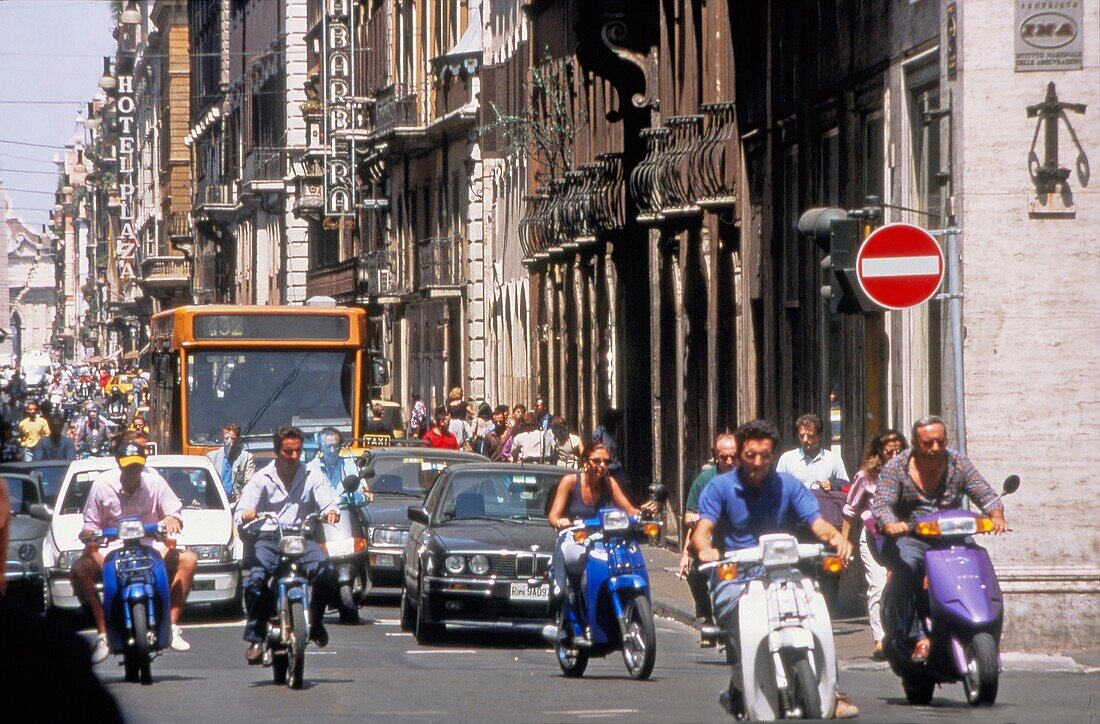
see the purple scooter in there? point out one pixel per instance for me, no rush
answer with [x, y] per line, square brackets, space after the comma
[964, 613]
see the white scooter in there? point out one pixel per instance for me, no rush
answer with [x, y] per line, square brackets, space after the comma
[787, 660]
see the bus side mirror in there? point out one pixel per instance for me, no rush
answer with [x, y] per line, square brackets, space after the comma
[380, 371]
[162, 369]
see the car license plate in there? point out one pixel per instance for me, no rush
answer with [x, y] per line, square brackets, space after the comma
[203, 585]
[520, 591]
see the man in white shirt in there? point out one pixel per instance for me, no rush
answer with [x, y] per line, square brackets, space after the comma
[814, 465]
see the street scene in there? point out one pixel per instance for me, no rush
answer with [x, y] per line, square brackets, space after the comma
[499, 360]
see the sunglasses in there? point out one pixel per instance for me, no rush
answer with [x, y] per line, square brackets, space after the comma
[600, 461]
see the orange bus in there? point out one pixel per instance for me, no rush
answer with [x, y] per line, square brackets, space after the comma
[259, 367]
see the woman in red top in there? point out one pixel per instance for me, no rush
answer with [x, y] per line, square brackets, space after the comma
[439, 436]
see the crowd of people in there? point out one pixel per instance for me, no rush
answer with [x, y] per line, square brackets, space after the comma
[510, 434]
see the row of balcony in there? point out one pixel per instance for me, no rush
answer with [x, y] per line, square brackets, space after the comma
[439, 270]
[689, 165]
[575, 209]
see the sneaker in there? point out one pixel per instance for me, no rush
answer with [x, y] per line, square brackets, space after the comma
[845, 709]
[178, 642]
[100, 652]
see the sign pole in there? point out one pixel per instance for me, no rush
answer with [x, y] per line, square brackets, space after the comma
[954, 306]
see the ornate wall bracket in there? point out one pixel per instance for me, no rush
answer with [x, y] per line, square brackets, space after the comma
[615, 35]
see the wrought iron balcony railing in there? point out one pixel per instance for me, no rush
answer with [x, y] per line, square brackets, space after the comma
[165, 271]
[265, 164]
[380, 273]
[396, 107]
[439, 262]
[222, 195]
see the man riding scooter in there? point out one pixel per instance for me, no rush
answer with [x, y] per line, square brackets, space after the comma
[132, 491]
[927, 478]
[285, 487]
[739, 506]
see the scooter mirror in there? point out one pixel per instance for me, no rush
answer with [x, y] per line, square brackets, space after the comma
[367, 472]
[658, 492]
[351, 483]
[1011, 485]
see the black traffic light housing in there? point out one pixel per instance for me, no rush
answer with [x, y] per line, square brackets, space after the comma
[839, 235]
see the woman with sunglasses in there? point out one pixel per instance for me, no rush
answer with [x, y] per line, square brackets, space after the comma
[881, 449]
[581, 495]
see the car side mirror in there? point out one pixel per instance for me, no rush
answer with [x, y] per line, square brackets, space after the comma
[351, 483]
[367, 472]
[418, 514]
[1011, 485]
[38, 511]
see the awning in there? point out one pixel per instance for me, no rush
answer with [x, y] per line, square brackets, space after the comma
[131, 355]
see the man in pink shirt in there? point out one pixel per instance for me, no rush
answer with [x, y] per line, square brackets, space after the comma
[132, 491]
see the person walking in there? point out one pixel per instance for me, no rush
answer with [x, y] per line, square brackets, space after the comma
[565, 448]
[528, 441]
[518, 411]
[32, 428]
[439, 436]
[418, 418]
[881, 449]
[608, 434]
[55, 446]
[815, 466]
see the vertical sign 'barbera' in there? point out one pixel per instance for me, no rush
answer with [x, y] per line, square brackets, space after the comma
[339, 65]
[126, 242]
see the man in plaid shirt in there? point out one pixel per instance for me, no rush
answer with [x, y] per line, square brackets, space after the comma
[927, 478]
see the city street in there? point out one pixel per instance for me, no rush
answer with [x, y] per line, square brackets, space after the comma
[376, 672]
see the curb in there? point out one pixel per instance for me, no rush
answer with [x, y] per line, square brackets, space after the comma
[674, 610]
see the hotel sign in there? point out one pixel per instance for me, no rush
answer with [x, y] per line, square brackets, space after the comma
[126, 242]
[1048, 35]
[338, 76]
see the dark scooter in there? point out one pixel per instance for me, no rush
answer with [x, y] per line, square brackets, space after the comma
[964, 612]
[616, 613]
[346, 545]
[288, 629]
[135, 596]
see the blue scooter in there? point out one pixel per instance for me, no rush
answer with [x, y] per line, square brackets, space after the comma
[135, 597]
[616, 612]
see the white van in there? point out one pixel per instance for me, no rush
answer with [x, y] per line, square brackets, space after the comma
[208, 529]
[37, 368]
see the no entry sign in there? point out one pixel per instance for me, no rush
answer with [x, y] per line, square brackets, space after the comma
[899, 266]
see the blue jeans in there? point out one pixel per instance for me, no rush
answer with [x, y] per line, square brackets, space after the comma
[905, 601]
[260, 600]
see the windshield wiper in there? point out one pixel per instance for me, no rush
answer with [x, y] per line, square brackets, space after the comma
[402, 493]
[290, 379]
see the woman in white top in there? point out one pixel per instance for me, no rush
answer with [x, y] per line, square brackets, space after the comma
[528, 441]
[565, 447]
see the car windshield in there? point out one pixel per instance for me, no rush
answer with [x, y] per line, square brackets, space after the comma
[194, 486]
[506, 495]
[263, 389]
[51, 477]
[408, 475]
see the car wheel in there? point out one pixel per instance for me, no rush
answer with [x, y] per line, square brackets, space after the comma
[425, 632]
[408, 614]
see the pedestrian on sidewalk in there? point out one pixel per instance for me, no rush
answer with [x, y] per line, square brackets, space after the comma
[881, 449]
[460, 425]
[518, 411]
[528, 442]
[418, 418]
[725, 459]
[564, 448]
[498, 434]
[608, 434]
[439, 436]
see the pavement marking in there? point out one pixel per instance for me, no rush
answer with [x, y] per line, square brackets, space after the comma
[322, 653]
[398, 633]
[441, 650]
[385, 621]
[593, 713]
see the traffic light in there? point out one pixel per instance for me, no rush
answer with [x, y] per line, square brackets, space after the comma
[839, 235]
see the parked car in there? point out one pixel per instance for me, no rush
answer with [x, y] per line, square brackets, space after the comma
[479, 550]
[27, 531]
[402, 476]
[208, 529]
[50, 475]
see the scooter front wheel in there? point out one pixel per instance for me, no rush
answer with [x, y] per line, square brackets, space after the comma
[639, 638]
[572, 660]
[349, 608]
[140, 650]
[296, 655]
[982, 672]
[804, 691]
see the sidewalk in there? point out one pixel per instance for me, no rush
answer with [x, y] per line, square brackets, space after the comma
[672, 599]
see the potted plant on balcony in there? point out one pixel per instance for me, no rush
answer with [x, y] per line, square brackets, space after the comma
[312, 108]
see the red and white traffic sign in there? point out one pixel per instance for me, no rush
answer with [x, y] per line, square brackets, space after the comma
[899, 266]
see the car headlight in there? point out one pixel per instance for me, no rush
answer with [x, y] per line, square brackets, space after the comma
[66, 559]
[292, 545]
[26, 551]
[782, 552]
[479, 565]
[212, 553]
[454, 564]
[389, 537]
[616, 520]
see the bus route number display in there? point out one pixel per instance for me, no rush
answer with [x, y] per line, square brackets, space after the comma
[307, 327]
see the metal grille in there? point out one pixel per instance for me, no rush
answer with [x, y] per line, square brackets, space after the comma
[502, 566]
[529, 564]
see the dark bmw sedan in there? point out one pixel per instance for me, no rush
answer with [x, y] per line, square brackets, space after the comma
[402, 476]
[479, 550]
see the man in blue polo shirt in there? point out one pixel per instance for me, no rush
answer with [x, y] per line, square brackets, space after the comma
[737, 507]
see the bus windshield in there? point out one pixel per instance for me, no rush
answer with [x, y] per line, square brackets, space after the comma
[261, 390]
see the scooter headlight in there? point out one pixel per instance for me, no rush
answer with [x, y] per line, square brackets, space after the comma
[479, 565]
[782, 552]
[615, 520]
[131, 530]
[454, 564]
[292, 545]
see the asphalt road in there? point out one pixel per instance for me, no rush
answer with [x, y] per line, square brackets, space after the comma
[375, 672]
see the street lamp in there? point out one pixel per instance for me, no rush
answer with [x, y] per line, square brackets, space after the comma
[131, 15]
[107, 81]
[91, 120]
